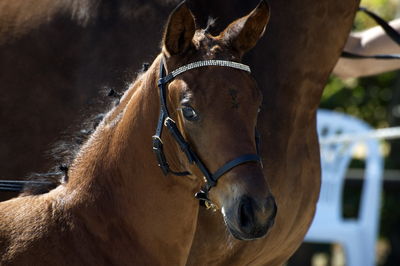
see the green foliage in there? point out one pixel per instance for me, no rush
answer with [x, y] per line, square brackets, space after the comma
[384, 8]
[365, 98]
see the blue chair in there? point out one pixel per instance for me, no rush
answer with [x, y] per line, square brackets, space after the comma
[357, 236]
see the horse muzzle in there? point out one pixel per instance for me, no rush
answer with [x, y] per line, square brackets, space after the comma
[248, 219]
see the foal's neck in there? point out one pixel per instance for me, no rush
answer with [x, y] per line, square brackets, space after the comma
[116, 175]
[119, 138]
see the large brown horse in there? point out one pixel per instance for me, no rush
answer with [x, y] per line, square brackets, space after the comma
[81, 46]
[116, 206]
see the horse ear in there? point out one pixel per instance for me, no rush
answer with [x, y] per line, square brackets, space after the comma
[244, 33]
[179, 31]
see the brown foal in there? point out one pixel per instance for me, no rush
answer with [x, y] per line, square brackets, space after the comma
[117, 207]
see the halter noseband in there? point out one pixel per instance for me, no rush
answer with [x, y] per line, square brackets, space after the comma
[165, 120]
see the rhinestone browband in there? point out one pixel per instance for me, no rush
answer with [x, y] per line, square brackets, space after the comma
[204, 63]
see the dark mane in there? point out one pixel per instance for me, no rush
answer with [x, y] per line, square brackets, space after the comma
[63, 153]
[65, 150]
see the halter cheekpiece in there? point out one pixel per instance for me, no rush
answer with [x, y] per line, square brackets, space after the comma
[165, 120]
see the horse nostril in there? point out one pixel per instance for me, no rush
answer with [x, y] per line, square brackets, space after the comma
[246, 214]
[271, 205]
[253, 218]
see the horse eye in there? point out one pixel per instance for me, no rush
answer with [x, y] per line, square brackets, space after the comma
[189, 113]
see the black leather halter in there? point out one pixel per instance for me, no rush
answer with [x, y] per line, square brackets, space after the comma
[164, 120]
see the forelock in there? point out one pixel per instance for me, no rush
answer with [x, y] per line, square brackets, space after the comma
[212, 47]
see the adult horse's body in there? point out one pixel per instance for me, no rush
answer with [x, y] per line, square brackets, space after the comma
[291, 64]
[116, 207]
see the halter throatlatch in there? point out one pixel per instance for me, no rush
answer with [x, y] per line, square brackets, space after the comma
[165, 120]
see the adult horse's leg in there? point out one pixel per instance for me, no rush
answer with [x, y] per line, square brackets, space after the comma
[292, 64]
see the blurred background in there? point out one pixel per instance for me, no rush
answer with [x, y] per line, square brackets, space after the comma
[376, 100]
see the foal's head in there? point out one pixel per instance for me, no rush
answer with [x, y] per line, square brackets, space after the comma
[217, 110]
